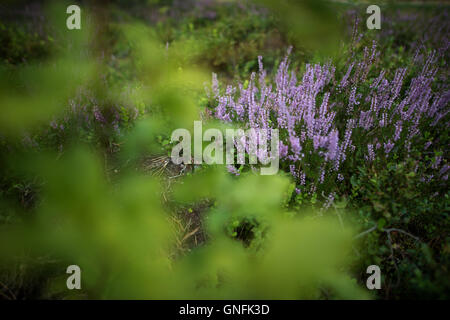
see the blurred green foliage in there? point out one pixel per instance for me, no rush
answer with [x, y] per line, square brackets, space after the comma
[92, 208]
[34, 92]
[76, 191]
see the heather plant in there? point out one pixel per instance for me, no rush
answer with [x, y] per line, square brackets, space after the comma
[366, 133]
[88, 120]
[329, 123]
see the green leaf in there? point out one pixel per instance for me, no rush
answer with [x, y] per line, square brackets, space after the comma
[381, 223]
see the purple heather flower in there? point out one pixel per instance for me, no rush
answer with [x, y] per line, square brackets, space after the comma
[444, 169]
[322, 175]
[293, 171]
[371, 153]
[98, 115]
[329, 201]
[232, 169]
[333, 145]
[388, 146]
[295, 145]
[436, 164]
[344, 80]
[398, 130]
[283, 149]
[302, 179]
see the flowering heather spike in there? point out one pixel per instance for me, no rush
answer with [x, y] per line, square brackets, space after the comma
[333, 148]
[322, 175]
[352, 101]
[98, 115]
[283, 150]
[344, 80]
[302, 179]
[295, 144]
[437, 162]
[232, 169]
[371, 154]
[365, 120]
[329, 201]
[293, 171]
[388, 146]
[398, 130]
[378, 80]
[444, 169]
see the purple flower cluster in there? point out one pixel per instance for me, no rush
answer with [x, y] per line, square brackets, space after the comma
[86, 117]
[381, 115]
